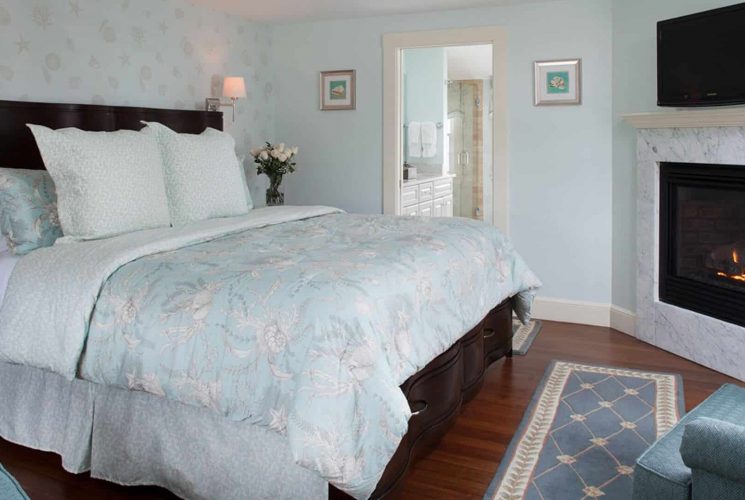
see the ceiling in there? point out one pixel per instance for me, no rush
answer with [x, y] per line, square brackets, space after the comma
[469, 62]
[295, 10]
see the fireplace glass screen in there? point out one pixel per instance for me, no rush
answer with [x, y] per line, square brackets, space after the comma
[702, 239]
[711, 236]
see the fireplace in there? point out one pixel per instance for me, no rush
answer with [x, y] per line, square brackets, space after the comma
[702, 239]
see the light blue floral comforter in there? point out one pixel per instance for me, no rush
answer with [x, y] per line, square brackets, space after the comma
[305, 327]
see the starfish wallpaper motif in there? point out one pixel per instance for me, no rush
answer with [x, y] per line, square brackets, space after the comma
[165, 54]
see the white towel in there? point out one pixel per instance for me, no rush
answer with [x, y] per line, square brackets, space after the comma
[415, 140]
[429, 140]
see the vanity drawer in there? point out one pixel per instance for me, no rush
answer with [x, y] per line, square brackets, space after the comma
[409, 196]
[426, 209]
[443, 207]
[447, 206]
[426, 192]
[443, 187]
[438, 207]
[411, 211]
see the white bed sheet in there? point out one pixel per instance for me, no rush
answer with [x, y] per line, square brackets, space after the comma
[7, 263]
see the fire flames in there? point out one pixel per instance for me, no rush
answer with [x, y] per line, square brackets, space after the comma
[736, 277]
[736, 261]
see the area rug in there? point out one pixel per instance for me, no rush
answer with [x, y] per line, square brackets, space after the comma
[583, 431]
[523, 335]
[9, 487]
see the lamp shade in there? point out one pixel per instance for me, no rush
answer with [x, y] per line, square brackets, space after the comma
[234, 87]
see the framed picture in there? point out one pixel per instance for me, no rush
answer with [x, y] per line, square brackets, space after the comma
[558, 82]
[338, 90]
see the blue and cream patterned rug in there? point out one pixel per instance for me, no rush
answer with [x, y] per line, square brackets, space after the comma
[9, 487]
[583, 431]
[523, 335]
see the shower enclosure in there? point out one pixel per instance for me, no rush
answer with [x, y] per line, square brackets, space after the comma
[469, 109]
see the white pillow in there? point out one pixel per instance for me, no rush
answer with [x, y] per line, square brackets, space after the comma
[107, 183]
[247, 192]
[203, 177]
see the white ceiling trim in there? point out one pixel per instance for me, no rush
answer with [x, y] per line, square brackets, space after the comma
[278, 11]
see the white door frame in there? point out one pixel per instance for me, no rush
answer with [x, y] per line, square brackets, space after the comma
[393, 45]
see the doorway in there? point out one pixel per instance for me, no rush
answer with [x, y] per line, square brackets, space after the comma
[445, 124]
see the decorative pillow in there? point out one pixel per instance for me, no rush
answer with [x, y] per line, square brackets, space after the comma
[203, 177]
[107, 183]
[249, 200]
[28, 210]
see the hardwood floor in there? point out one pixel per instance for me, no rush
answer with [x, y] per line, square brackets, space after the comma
[465, 461]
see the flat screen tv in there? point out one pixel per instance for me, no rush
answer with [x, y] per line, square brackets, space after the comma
[701, 58]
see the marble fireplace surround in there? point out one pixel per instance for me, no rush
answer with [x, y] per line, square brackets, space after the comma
[704, 137]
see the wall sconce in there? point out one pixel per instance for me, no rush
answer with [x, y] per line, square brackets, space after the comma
[233, 87]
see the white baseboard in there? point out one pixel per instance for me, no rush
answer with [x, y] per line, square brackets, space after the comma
[571, 311]
[584, 313]
[623, 320]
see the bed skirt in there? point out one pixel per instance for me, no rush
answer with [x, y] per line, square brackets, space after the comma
[43, 411]
[137, 438]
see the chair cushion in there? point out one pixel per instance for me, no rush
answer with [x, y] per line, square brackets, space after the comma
[715, 487]
[715, 446]
[660, 471]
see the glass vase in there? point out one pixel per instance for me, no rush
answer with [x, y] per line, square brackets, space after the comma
[274, 196]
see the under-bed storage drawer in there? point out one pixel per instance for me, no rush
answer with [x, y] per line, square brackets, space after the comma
[435, 391]
[498, 332]
[474, 363]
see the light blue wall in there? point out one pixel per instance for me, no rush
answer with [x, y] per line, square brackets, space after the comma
[424, 91]
[563, 206]
[567, 201]
[165, 54]
[635, 90]
[560, 178]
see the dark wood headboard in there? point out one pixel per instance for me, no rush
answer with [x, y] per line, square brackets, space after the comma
[18, 147]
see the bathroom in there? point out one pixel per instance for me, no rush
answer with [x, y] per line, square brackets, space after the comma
[447, 137]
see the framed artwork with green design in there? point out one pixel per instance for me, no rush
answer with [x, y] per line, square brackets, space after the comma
[338, 90]
[558, 82]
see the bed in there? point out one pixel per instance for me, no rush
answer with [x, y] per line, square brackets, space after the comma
[131, 407]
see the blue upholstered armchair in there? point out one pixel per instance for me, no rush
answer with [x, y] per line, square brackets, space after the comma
[715, 452]
[702, 457]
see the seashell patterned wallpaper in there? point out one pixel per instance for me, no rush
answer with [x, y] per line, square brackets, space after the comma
[154, 53]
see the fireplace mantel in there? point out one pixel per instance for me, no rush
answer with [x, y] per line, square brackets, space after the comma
[689, 118]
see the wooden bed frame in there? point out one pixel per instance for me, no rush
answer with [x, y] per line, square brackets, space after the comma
[18, 147]
[435, 393]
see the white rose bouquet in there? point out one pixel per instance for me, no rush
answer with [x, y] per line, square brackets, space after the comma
[274, 162]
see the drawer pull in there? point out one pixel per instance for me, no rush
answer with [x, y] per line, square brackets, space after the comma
[418, 407]
[489, 333]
